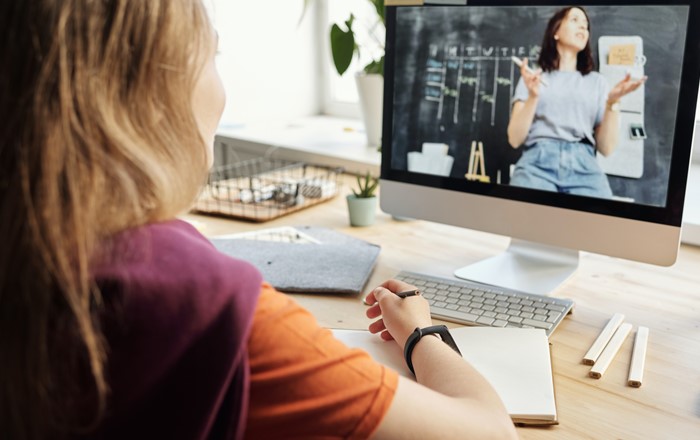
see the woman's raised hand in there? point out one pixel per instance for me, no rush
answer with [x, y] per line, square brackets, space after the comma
[532, 78]
[627, 85]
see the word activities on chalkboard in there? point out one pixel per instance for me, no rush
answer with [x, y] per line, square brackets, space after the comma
[471, 77]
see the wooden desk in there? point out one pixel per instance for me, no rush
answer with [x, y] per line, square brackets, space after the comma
[667, 300]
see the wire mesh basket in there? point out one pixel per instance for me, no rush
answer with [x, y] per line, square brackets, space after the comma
[262, 189]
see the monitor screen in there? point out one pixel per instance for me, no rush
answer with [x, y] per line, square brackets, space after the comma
[546, 110]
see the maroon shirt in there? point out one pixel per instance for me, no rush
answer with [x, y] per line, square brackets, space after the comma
[177, 324]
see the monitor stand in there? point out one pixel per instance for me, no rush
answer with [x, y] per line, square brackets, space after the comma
[525, 266]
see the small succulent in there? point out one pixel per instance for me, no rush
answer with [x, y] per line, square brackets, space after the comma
[367, 186]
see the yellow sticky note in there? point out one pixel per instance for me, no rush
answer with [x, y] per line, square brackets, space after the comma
[622, 54]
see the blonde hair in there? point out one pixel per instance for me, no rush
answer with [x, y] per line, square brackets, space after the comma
[98, 135]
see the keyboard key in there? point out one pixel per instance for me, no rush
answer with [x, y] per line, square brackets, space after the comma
[555, 307]
[485, 320]
[538, 324]
[553, 318]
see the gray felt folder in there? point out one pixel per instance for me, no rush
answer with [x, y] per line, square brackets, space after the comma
[337, 263]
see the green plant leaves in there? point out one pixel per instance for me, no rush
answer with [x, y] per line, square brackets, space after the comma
[376, 66]
[367, 186]
[343, 45]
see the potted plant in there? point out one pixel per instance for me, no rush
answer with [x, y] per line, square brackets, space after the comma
[370, 81]
[362, 203]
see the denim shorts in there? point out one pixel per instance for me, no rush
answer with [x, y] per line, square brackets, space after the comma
[561, 166]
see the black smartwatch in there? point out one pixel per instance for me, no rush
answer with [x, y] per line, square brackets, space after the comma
[418, 333]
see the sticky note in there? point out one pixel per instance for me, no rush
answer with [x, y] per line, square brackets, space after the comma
[622, 54]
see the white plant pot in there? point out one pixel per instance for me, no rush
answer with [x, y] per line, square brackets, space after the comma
[362, 210]
[370, 89]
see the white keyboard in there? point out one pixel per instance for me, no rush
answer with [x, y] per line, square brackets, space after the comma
[470, 303]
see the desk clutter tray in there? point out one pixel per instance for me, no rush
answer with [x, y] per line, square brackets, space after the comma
[262, 189]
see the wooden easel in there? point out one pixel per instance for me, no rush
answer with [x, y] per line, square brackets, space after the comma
[477, 169]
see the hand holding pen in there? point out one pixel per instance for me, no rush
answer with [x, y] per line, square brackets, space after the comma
[400, 309]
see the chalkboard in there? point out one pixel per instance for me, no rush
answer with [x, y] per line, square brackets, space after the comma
[454, 80]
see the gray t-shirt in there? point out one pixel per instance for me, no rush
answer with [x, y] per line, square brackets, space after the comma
[570, 106]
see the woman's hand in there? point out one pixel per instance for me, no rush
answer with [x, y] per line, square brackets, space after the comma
[627, 85]
[399, 316]
[532, 79]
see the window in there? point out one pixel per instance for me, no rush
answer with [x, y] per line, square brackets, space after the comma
[340, 92]
[268, 60]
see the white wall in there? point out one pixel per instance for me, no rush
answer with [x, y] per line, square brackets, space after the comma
[267, 60]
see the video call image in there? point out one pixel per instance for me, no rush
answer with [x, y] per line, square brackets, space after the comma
[591, 113]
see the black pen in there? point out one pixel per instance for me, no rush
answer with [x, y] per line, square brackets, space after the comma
[408, 293]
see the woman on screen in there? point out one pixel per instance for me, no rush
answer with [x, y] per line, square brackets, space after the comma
[563, 113]
[117, 320]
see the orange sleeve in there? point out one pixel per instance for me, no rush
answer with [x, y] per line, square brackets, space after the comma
[307, 384]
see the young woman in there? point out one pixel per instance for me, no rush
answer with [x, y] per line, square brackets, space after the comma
[116, 319]
[563, 124]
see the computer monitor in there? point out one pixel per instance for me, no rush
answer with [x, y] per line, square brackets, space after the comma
[452, 88]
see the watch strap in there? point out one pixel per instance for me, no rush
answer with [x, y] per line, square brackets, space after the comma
[418, 333]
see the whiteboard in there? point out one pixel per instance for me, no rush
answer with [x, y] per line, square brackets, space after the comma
[628, 158]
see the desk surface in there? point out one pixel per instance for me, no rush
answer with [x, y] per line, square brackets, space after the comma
[667, 300]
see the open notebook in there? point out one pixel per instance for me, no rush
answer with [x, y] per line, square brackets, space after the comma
[515, 361]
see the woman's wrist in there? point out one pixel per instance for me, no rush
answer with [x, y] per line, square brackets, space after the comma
[612, 105]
